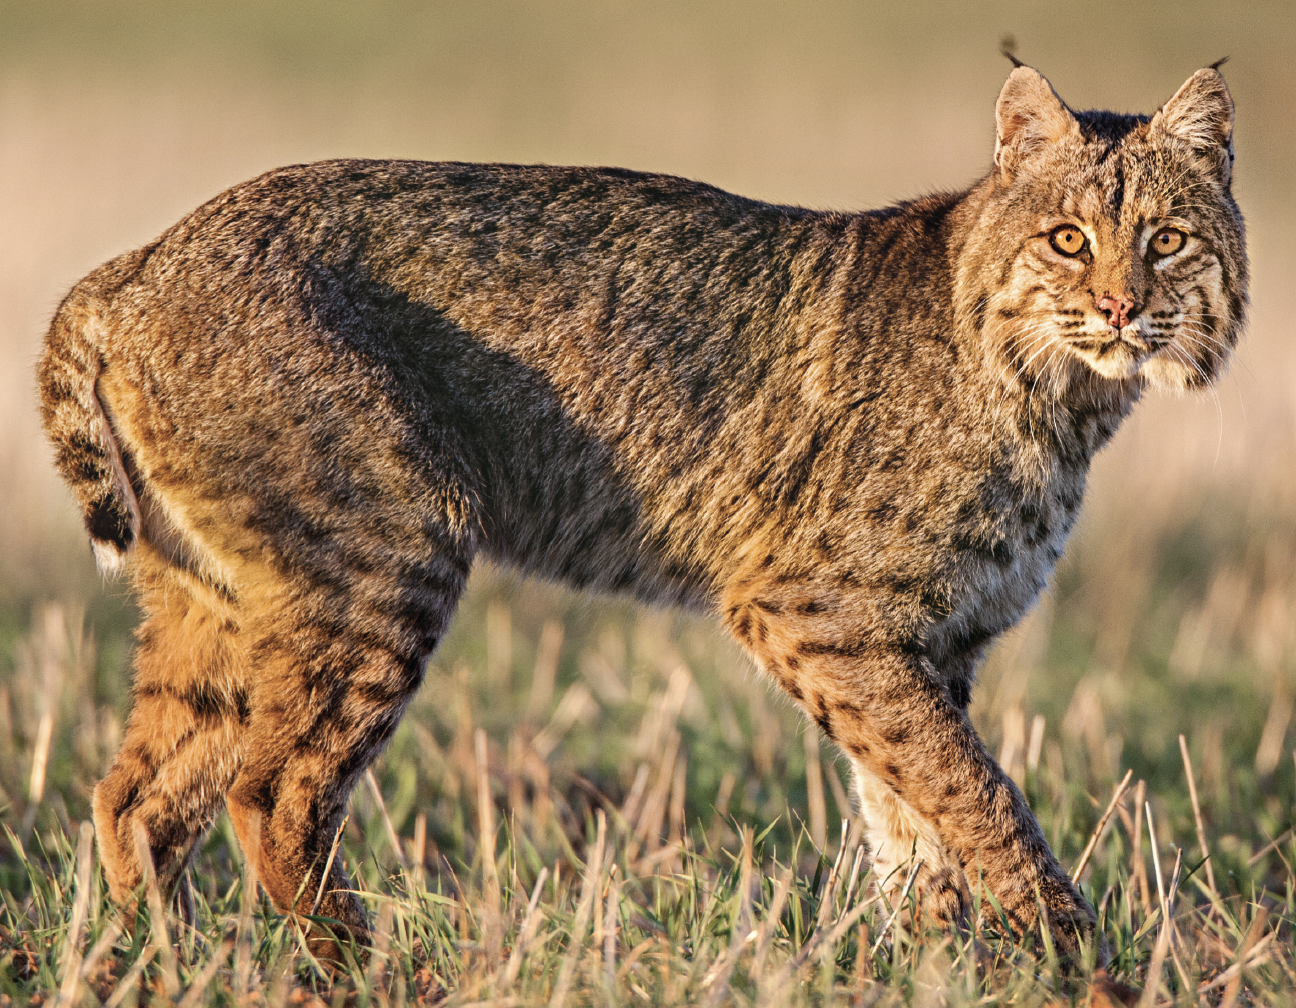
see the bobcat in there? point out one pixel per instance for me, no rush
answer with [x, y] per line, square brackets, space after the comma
[861, 439]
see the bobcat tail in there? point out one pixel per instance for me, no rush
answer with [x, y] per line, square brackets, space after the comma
[86, 449]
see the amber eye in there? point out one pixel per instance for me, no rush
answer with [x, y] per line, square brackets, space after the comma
[1068, 239]
[1168, 241]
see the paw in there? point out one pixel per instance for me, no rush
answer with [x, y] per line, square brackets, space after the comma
[938, 893]
[1072, 925]
[1104, 992]
[1073, 928]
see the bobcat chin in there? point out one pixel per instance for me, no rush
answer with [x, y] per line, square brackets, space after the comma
[860, 439]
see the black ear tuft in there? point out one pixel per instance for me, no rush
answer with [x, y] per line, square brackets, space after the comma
[1219, 63]
[1008, 47]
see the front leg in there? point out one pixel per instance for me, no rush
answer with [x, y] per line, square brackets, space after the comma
[924, 777]
[897, 833]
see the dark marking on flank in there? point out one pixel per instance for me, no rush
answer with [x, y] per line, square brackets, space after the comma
[829, 649]
[883, 513]
[824, 723]
[743, 627]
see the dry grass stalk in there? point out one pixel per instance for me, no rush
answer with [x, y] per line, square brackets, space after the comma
[630, 808]
[106, 940]
[725, 793]
[499, 647]
[589, 893]
[648, 828]
[717, 979]
[815, 790]
[611, 925]
[1253, 934]
[128, 982]
[328, 866]
[855, 871]
[1175, 939]
[1197, 819]
[1152, 990]
[766, 931]
[1013, 751]
[821, 943]
[157, 913]
[1272, 845]
[40, 758]
[576, 702]
[1102, 824]
[1258, 954]
[1036, 744]
[486, 826]
[1270, 750]
[80, 908]
[546, 670]
[243, 957]
[392, 838]
[377, 974]
[845, 808]
[530, 922]
[281, 986]
[194, 995]
[420, 848]
[678, 793]
[1156, 860]
[895, 911]
[1138, 866]
[830, 888]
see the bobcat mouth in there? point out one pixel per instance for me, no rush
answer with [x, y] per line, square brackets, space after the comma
[1102, 347]
[1118, 355]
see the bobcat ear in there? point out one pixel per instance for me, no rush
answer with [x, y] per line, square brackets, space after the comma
[1201, 116]
[1028, 116]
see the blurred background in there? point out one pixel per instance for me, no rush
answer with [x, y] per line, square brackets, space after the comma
[1173, 611]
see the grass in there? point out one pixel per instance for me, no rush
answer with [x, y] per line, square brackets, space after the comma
[592, 804]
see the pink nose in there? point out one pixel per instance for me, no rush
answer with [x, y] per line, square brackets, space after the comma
[1117, 309]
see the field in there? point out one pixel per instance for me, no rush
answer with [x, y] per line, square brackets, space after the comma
[591, 803]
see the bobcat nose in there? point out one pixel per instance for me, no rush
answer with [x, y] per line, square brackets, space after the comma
[1117, 309]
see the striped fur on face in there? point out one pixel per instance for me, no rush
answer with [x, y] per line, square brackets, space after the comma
[1110, 245]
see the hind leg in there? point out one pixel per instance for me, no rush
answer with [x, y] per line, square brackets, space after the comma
[181, 750]
[334, 673]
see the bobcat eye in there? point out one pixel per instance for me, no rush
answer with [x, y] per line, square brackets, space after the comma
[1168, 241]
[1068, 239]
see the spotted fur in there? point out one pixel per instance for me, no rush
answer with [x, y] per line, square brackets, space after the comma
[860, 438]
